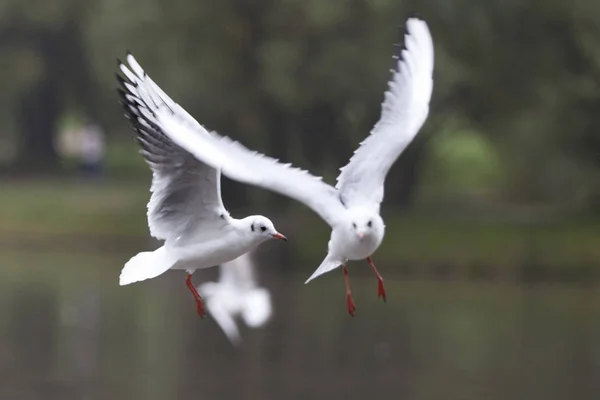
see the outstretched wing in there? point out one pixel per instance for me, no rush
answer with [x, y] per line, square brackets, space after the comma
[239, 273]
[241, 164]
[186, 193]
[404, 110]
[159, 112]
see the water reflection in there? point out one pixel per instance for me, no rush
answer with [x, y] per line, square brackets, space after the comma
[68, 331]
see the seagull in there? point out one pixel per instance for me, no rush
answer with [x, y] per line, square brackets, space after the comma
[237, 294]
[352, 207]
[185, 208]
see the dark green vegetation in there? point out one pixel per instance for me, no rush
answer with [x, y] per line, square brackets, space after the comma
[303, 80]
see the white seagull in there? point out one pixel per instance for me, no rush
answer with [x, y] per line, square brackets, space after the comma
[351, 208]
[237, 293]
[185, 208]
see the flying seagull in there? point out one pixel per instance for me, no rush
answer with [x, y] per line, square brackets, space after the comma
[185, 208]
[237, 293]
[351, 208]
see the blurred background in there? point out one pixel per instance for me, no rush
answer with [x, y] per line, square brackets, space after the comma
[491, 255]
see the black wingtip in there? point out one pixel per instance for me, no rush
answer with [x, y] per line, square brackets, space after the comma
[119, 62]
[128, 53]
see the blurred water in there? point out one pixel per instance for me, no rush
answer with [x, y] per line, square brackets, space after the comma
[68, 331]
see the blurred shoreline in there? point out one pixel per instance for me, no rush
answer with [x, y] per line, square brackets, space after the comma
[66, 216]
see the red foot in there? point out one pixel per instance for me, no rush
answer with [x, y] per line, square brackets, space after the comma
[380, 287]
[199, 304]
[349, 299]
[381, 290]
[350, 304]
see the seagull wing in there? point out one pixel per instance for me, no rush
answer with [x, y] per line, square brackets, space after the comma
[255, 302]
[404, 110]
[239, 273]
[153, 109]
[223, 307]
[186, 193]
[243, 165]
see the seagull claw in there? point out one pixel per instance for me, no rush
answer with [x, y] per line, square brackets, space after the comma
[350, 304]
[199, 303]
[381, 290]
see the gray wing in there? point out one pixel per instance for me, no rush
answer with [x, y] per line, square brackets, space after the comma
[186, 193]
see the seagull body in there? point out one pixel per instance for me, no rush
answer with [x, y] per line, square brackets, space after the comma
[185, 209]
[352, 207]
[237, 293]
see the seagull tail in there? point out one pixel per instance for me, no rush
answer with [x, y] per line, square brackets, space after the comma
[145, 265]
[327, 265]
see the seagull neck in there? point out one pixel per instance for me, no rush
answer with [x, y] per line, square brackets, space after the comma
[242, 227]
[238, 224]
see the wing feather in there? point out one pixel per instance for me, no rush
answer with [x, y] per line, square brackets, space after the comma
[403, 112]
[157, 112]
[247, 166]
[186, 193]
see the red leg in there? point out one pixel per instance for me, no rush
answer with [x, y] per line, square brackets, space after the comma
[199, 303]
[380, 287]
[349, 300]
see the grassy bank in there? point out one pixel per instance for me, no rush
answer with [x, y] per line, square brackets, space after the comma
[74, 209]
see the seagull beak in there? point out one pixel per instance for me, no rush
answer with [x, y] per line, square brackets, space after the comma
[280, 236]
[361, 235]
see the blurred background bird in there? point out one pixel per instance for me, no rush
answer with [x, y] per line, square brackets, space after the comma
[237, 294]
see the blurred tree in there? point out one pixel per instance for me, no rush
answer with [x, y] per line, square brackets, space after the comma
[53, 34]
[303, 80]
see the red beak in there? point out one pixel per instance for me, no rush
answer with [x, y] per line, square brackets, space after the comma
[280, 236]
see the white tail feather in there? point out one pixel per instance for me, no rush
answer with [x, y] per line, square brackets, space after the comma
[327, 265]
[145, 265]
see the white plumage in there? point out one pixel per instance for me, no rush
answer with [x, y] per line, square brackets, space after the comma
[185, 209]
[352, 207]
[237, 294]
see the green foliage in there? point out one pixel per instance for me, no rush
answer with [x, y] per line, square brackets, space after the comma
[280, 75]
[117, 209]
[461, 161]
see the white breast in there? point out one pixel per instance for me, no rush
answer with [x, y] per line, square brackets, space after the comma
[206, 254]
[345, 244]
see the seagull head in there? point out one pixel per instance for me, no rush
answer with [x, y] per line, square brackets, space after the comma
[365, 224]
[263, 227]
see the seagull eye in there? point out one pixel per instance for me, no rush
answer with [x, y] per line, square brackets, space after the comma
[262, 228]
[369, 224]
[354, 225]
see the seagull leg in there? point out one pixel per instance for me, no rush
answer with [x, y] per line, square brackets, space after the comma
[380, 287]
[349, 300]
[199, 303]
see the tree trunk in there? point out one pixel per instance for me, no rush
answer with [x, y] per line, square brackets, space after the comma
[37, 118]
[66, 76]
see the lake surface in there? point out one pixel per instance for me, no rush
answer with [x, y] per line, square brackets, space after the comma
[68, 331]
